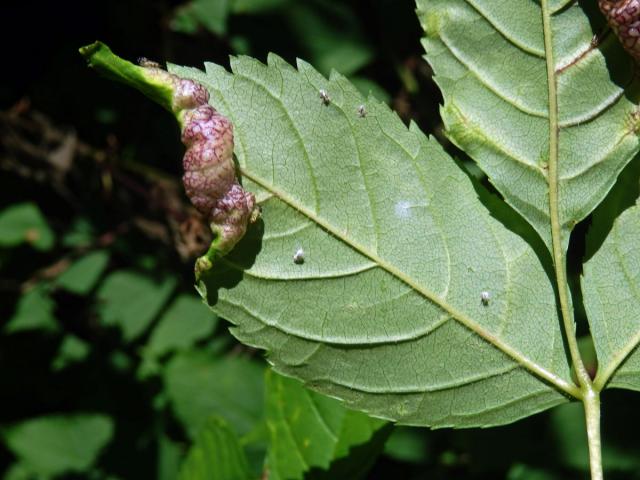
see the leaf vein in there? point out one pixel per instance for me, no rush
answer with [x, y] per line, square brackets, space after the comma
[296, 132]
[481, 79]
[511, 39]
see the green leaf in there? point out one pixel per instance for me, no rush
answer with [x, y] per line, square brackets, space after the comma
[256, 6]
[72, 350]
[131, 301]
[169, 458]
[524, 472]
[331, 34]
[568, 427]
[408, 445]
[200, 385]
[212, 14]
[498, 111]
[17, 471]
[216, 455]
[56, 444]
[24, 223]
[385, 311]
[34, 311]
[79, 234]
[310, 431]
[611, 291]
[368, 87]
[186, 321]
[622, 196]
[84, 273]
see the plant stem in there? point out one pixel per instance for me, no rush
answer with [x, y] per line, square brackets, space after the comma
[592, 416]
[100, 57]
[590, 397]
[554, 205]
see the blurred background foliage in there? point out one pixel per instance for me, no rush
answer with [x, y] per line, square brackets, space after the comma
[110, 366]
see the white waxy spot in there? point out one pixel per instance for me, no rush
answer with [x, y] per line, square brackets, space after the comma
[485, 297]
[298, 257]
[403, 209]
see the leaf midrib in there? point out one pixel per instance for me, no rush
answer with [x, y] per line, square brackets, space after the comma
[557, 245]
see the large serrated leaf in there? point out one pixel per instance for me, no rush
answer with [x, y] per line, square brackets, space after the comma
[611, 289]
[490, 61]
[386, 310]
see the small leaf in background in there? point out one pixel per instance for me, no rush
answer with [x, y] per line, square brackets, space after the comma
[120, 361]
[567, 424]
[72, 349]
[331, 34]
[408, 444]
[24, 223]
[186, 321]
[56, 444]
[132, 300]
[240, 45]
[368, 87]
[82, 275]
[169, 458]
[256, 6]
[309, 431]
[212, 14]
[17, 471]
[524, 472]
[216, 455]
[200, 385]
[79, 234]
[34, 311]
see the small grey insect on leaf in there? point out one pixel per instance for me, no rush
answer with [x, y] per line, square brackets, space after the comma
[298, 257]
[326, 100]
[362, 111]
[485, 297]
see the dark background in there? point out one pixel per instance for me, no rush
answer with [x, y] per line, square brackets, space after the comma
[122, 182]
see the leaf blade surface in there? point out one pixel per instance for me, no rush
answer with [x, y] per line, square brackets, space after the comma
[490, 63]
[611, 290]
[386, 309]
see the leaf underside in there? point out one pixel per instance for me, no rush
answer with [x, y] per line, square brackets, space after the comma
[385, 312]
[490, 63]
[611, 289]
